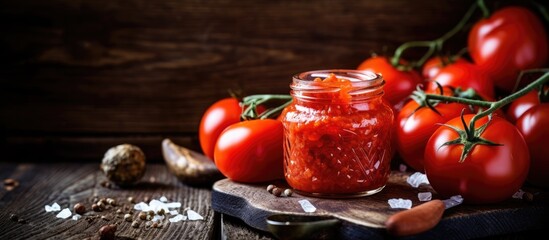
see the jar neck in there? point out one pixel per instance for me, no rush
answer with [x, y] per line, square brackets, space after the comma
[337, 86]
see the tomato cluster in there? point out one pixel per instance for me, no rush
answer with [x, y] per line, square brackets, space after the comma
[485, 158]
[243, 151]
[490, 162]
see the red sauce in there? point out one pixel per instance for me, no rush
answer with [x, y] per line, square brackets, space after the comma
[337, 143]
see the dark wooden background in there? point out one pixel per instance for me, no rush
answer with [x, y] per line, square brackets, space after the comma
[77, 77]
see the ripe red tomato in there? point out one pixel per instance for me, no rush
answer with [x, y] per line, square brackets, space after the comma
[489, 174]
[398, 84]
[415, 128]
[465, 75]
[533, 126]
[521, 105]
[217, 117]
[511, 40]
[432, 66]
[251, 151]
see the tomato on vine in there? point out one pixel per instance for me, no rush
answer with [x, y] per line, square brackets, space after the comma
[512, 39]
[521, 105]
[251, 151]
[215, 119]
[482, 157]
[533, 125]
[465, 75]
[416, 122]
[487, 165]
[399, 82]
[433, 65]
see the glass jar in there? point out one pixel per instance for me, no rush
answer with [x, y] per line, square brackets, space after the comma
[337, 134]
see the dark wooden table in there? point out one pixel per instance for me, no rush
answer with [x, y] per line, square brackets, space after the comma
[70, 183]
[23, 215]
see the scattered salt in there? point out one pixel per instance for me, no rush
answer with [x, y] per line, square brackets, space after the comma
[519, 194]
[162, 205]
[455, 200]
[193, 215]
[76, 217]
[307, 206]
[417, 179]
[53, 208]
[178, 218]
[173, 205]
[400, 203]
[402, 168]
[141, 206]
[424, 196]
[65, 213]
[174, 212]
[156, 205]
[157, 218]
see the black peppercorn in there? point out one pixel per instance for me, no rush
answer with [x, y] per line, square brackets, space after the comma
[107, 232]
[79, 208]
[277, 191]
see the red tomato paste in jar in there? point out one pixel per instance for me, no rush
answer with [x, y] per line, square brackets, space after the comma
[337, 134]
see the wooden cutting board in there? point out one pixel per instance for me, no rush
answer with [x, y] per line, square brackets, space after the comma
[364, 217]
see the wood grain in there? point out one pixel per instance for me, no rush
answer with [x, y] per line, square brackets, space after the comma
[68, 184]
[365, 217]
[91, 71]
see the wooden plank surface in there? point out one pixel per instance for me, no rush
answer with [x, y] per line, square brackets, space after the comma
[103, 70]
[68, 184]
[365, 217]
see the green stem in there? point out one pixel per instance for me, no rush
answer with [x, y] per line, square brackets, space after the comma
[493, 106]
[266, 97]
[400, 50]
[459, 100]
[278, 109]
[461, 52]
[528, 71]
[253, 101]
[434, 45]
[504, 101]
[482, 5]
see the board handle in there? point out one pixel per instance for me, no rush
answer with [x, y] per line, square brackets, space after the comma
[415, 220]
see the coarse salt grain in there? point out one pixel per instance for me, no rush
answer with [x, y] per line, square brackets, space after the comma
[192, 215]
[141, 206]
[417, 179]
[53, 208]
[174, 212]
[457, 198]
[519, 194]
[424, 196]
[173, 205]
[307, 206]
[163, 199]
[76, 217]
[177, 218]
[157, 218]
[400, 203]
[65, 213]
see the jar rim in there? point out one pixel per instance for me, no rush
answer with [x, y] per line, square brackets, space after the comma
[358, 78]
[364, 83]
